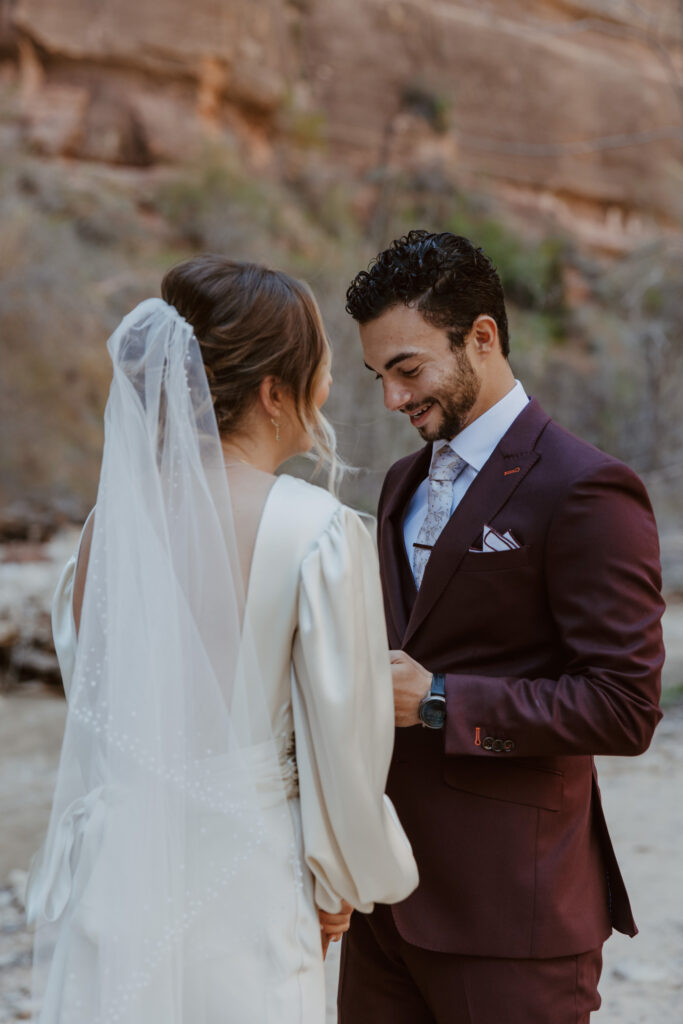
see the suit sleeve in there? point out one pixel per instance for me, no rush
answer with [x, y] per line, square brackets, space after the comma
[603, 584]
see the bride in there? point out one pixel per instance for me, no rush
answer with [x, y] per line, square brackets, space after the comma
[220, 801]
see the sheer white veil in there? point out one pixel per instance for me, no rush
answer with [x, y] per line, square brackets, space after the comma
[169, 780]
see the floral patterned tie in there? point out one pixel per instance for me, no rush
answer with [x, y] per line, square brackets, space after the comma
[446, 466]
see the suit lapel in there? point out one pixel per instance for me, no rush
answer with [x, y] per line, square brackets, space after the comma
[499, 478]
[397, 575]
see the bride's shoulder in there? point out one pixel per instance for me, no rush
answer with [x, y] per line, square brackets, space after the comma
[309, 500]
[313, 506]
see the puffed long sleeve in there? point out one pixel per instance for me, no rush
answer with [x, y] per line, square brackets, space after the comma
[63, 626]
[343, 709]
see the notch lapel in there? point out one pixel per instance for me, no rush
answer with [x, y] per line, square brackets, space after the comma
[397, 575]
[499, 478]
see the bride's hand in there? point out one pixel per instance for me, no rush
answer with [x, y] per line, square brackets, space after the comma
[333, 926]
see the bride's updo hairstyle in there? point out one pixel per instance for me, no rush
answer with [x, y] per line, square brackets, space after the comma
[251, 323]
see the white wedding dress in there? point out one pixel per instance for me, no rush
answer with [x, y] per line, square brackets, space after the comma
[314, 607]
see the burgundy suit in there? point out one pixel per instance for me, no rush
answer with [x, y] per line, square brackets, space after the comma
[552, 654]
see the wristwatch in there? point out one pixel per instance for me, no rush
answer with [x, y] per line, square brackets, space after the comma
[432, 709]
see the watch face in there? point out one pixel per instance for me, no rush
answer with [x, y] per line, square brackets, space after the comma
[433, 712]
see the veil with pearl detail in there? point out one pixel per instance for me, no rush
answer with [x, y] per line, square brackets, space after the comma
[169, 785]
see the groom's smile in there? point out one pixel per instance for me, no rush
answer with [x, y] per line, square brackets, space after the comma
[419, 416]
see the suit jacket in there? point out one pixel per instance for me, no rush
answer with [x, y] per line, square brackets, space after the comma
[552, 654]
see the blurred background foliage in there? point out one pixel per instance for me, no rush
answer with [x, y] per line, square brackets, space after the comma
[92, 216]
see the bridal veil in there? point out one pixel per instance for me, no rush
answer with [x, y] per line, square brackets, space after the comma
[169, 781]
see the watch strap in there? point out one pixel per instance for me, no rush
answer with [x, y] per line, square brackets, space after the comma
[438, 685]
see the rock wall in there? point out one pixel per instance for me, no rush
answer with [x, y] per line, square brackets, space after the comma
[570, 109]
[307, 133]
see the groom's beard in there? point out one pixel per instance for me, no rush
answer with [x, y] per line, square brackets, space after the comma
[454, 400]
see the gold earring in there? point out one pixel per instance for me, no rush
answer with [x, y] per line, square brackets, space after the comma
[277, 428]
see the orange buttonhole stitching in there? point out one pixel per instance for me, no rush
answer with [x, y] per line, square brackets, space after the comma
[508, 472]
[477, 736]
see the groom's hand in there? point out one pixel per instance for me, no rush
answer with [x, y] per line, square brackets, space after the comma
[412, 682]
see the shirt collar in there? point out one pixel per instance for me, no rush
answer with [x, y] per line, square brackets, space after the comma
[475, 444]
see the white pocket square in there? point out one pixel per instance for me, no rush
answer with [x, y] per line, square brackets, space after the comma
[492, 540]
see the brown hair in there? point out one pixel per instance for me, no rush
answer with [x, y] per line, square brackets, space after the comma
[250, 323]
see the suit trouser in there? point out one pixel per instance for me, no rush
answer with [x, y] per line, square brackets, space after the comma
[385, 980]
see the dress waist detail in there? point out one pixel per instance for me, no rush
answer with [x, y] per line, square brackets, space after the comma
[215, 786]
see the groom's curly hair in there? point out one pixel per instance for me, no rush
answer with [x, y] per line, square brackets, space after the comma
[447, 278]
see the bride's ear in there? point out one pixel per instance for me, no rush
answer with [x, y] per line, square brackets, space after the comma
[271, 393]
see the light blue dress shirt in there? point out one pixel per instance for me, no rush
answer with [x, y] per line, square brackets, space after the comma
[474, 444]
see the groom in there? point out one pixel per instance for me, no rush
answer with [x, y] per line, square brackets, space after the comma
[522, 591]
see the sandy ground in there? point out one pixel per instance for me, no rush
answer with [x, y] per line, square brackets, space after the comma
[643, 977]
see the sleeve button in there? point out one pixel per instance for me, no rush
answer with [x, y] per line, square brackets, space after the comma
[487, 743]
[498, 746]
[508, 746]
